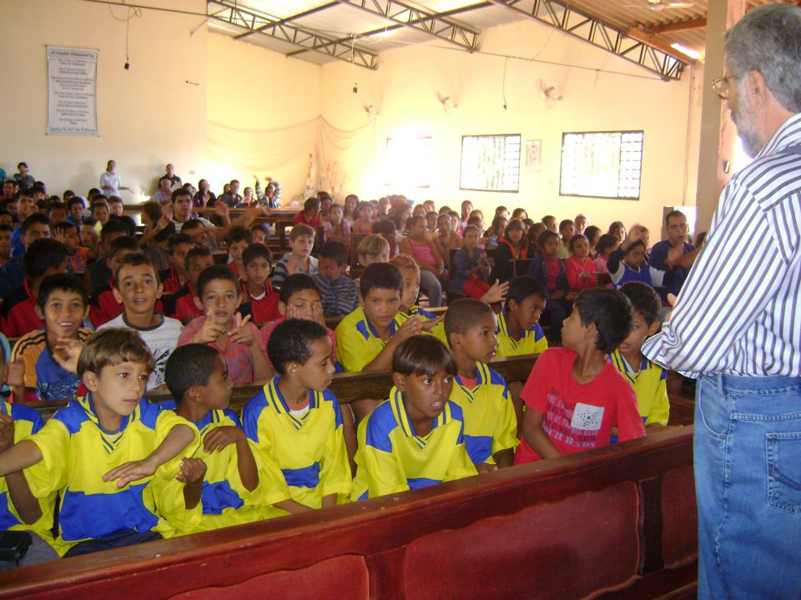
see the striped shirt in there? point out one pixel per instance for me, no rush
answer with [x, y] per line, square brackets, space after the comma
[339, 297]
[739, 311]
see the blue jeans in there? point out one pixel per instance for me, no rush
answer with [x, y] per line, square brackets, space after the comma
[748, 486]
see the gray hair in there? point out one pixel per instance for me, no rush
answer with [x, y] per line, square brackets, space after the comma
[768, 40]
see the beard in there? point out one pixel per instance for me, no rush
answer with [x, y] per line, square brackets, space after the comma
[744, 117]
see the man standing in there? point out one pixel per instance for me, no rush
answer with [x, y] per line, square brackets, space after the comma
[175, 181]
[110, 181]
[736, 328]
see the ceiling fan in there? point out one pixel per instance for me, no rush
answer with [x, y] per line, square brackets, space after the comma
[658, 5]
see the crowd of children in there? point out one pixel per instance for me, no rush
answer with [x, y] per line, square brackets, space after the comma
[98, 313]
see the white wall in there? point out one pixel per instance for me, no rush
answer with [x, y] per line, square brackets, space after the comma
[405, 88]
[147, 116]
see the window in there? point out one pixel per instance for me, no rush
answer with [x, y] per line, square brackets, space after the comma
[490, 163]
[604, 164]
[408, 162]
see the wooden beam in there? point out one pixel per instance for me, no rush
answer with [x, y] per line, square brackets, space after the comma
[698, 23]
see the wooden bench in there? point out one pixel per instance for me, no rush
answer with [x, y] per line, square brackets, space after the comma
[618, 522]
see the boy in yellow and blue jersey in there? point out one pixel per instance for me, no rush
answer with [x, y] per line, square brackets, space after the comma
[296, 420]
[410, 272]
[648, 379]
[220, 485]
[519, 331]
[91, 451]
[367, 337]
[489, 415]
[19, 510]
[416, 438]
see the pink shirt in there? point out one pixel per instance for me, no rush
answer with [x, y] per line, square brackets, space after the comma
[580, 273]
[423, 254]
[237, 356]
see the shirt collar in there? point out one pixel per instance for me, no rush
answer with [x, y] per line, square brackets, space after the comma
[789, 134]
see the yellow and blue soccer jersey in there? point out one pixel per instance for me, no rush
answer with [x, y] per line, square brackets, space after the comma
[490, 424]
[392, 458]
[532, 342]
[650, 385]
[438, 331]
[308, 448]
[26, 422]
[224, 500]
[77, 452]
[358, 343]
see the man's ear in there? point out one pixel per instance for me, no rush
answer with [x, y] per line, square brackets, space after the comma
[757, 89]
[399, 381]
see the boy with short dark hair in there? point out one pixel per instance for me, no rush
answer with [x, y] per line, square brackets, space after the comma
[648, 379]
[181, 304]
[18, 312]
[519, 331]
[310, 215]
[25, 208]
[82, 452]
[262, 300]
[103, 305]
[62, 304]
[237, 239]
[76, 208]
[138, 289]
[574, 395]
[220, 485]
[223, 328]
[489, 415]
[301, 240]
[296, 420]
[339, 293]
[174, 278]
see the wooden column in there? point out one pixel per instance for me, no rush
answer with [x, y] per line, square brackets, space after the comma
[718, 133]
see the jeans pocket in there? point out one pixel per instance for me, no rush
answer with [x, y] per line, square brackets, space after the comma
[710, 410]
[784, 471]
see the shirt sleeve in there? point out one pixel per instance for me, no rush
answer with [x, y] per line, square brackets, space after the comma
[629, 421]
[461, 466]
[49, 475]
[381, 468]
[660, 409]
[272, 484]
[189, 331]
[534, 393]
[335, 475]
[505, 435]
[29, 359]
[351, 349]
[165, 423]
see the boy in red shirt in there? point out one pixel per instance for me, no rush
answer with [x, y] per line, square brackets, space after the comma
[181, 305]
[310, 215]
[575, 395]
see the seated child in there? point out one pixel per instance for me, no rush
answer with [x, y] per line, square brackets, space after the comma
[223, 328]
[21, 511]
[574, 395]
[566, 230]
[103, 304]
[387, 230]
[427, 256]
[174, 278]
[100, 506]
[336, 227]
[138, 289]
[519, 331]
[411, 290]
[296, 421]
[18, 314]
[99, 273]
[76, 207]
[310, 215]
[89, 238]
[471, 266]
[364, 223]
[373, 249]
[63, 305]
[417, 437]
[627, 263]
[77, 256]
[299, 298]
[219, 486]
[339, 293]
[301, 240]
[12, 273]
[549, 270]
[56, 213]
[181, 304]
[261, 233]
[579, 268]
[5, 241]
[606, 245]
[490, 431]
[367, 337]
[512, 246]
[237, 239]
[261, 300]
[647, 378]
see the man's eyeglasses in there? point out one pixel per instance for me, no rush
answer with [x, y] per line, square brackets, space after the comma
[721, 87]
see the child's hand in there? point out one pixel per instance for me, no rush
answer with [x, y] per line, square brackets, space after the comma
[66, 354]
[166, 213]
[410, 327]
[210, 330]
[6, 432]
[221, 210]
[15, 373]
[431, 323]
[60, 235]
[317, 314]
[635, 233]
[674, 254]
[571, 296]
[220, 437]
[132, 471]
[242, 332]
[193, 470]
[496, 293]
[293, 265]
[486, 468]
